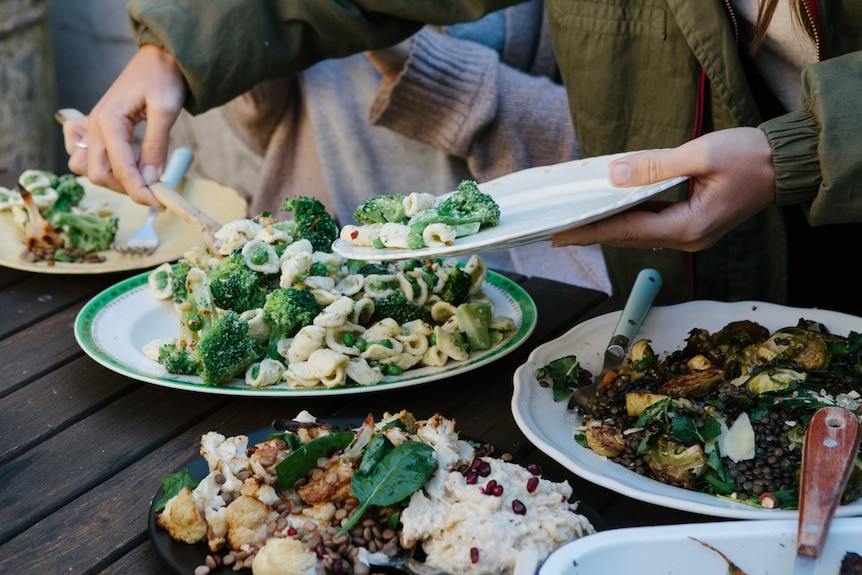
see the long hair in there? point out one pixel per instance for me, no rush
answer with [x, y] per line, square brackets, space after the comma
[765, 12]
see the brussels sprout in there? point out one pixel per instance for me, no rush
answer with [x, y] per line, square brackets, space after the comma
[603, 439]
[637, 401]
[676, 463]
[801, 347]
[774, 380]
[691, 384]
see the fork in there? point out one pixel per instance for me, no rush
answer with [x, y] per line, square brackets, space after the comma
[145, 240]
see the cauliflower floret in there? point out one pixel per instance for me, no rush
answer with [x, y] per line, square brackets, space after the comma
[450, 451]
[284, 556]
[247, 519]
[216, 448]
[183, 519]
[235, 233]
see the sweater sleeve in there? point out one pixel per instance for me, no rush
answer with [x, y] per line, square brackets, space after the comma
[459, 97]
[814, 148]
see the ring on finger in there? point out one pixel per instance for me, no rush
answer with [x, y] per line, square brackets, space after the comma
[81, 144]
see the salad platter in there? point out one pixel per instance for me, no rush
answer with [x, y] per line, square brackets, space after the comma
[175, 235]
[115, 325]
[552, 427]
[561, 196]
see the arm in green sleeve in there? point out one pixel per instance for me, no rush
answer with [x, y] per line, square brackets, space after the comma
[224, 48]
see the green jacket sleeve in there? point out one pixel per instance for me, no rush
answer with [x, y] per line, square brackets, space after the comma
[816, 150]
[224, 48]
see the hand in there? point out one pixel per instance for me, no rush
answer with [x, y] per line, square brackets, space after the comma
[390, 61]
[734, 179]
[150, 88]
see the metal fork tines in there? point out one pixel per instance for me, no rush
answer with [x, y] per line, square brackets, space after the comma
[144, 241]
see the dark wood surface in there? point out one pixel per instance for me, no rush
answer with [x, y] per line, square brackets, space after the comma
[83, 449]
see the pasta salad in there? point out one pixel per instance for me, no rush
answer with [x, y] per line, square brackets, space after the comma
[273, 310]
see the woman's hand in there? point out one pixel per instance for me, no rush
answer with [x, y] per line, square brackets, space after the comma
[150, 88]
[734, 179]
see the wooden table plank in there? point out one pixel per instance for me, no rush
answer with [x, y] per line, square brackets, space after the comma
[52, 403]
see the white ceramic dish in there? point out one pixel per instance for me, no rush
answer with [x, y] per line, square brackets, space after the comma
[756, 547]
[549, 425]
[175, 235]
[116, 324]
[534, 205]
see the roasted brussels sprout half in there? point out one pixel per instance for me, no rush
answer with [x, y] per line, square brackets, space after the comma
[603, 439]
[676, 463]
[803, 348]
[691, 384]
[774, 380]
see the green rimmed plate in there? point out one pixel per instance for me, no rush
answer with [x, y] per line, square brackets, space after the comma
[115, 325]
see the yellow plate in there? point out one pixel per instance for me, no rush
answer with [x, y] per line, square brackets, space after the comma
[175, 235]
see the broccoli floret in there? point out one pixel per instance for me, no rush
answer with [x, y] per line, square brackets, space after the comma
[177, 359]
[287, 310]
[178, 281]
[456, 290]
[398, 308]
[313, 222]
[225, 349]
[474, 318]
[87, 232]
[69, 194]
[234, 285]
[380, 209]
[466, 205]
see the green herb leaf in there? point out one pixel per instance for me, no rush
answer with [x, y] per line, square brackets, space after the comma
[396, 476]
[173, 484]
[300, 462]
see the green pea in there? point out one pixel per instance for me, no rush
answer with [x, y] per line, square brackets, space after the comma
[259, 256]
[348, 339]
[393, 369]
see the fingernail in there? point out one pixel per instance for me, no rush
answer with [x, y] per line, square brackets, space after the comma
[620, 174]
[150, 174]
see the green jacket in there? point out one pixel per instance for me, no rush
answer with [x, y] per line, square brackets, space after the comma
[633, 71]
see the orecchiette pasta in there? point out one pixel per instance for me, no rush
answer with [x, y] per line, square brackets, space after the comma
[308, 340]
[335, 338]
[434, 357]
[258, 328]
[260, 256]
[403, 361]
[441, 311]
[380, 285]
[299, 375]
[159, 282]
[438, 235]
[394, 235]
[350, 285]
[336, 313]
[360, 235]
[236, 233]
[447, 344]
[359, 371]
[380, 351]
[478, 270]
[264, 373]
[383, 329]
[329, 366]
[417, 202]
[414, 343]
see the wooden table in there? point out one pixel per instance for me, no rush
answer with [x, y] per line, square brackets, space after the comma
[83, 449]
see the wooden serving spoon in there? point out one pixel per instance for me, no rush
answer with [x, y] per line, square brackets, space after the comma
[828, 455]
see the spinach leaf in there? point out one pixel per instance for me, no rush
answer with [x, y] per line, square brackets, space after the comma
[173, 484]
[300, 462]
[376, 449]
[400, 472]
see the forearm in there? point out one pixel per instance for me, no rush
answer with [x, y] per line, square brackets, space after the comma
[458, 97]
[224, 48]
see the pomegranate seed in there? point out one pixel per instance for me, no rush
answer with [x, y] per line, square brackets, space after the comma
[489, 487]
[475, 464]
[518, 507]
[534, 468]
[474, 555]
[291, 531]
[320, 550]
[472, 478]
[532, 483]
[354, 234]
[498, 490]
[250, 451]
[462, 469]
[484, 469]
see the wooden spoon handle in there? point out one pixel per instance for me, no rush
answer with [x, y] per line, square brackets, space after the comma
[828, 455]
